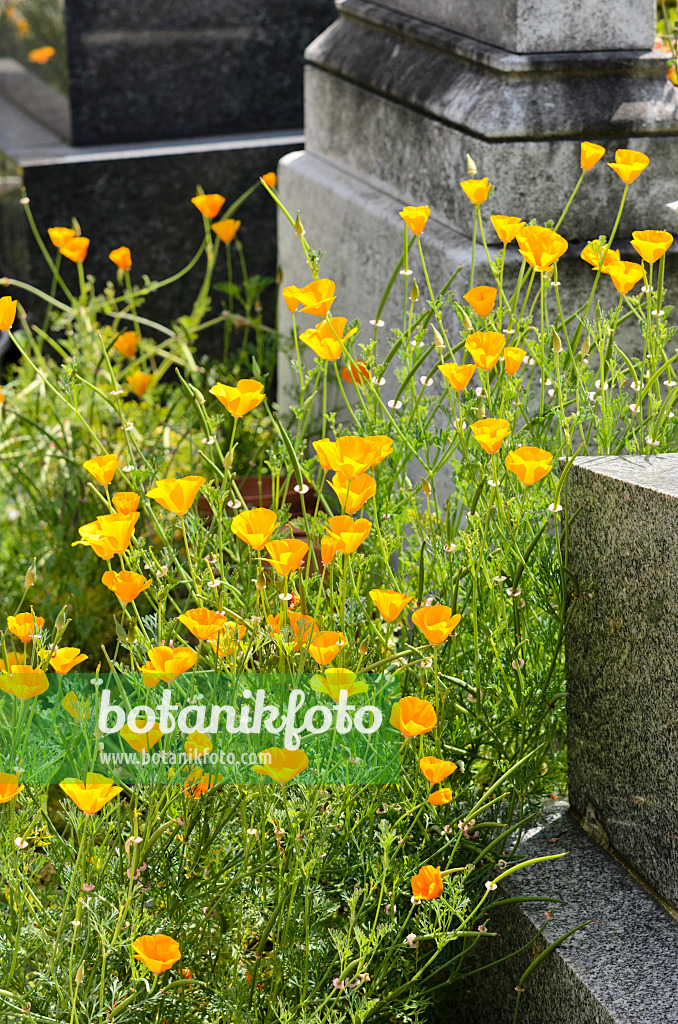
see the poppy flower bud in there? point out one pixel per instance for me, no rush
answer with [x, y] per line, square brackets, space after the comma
[363, 649]
[471, 166]
[414, 292]
[278, 276]
[61, 620]
[426, 487]
[261, 582]
[80, 975]
[30, 576]
[438, 340]
[120, 632]
[557, 343]
[131, 632]
[585, 345]
[198, 395]
[465, 322]
[299, 227]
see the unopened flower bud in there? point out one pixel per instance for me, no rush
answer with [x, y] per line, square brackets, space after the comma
[299, 227]
[438, 340]
[465, 322]
[414, 292]
[130, 632]
[31, 576]
[62, 619]
[198, 395]
[363, 649]
[585, 345]
[261, 582]
[471, 166]
[557, 343]
[120, 631]
[425, 486]
[80, 975]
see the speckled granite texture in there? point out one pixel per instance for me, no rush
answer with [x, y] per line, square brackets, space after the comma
[620, 969]
[163, 69]
[622, 659]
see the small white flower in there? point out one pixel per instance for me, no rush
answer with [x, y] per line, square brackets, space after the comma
[208, 440]
[20, 843]
[379, 382]
[551, 392]
[393, 404]
[377, 323]
[285, 597]
[426, 381]
[555, 508]
[406, 273]
[117, 392]
[234, 503]
[302, 489]
[491, 483]
[513, 593]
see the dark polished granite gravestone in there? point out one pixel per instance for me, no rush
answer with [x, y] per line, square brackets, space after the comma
[164, 69]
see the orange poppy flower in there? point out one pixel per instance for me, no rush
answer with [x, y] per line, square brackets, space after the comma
[349, 455]
[593, 253]
[13, 659]
[202, 622]
[102, 468]
[357, 373]
[540, 247]
[481, 299]
[291, 297]
[591, 153]
[227, 641]
[139, 382]
[490, 433]
[166, 663]
[328, 549]
[157, 952]
[92, 794]
[507, 227]
[141, 741]
[353, 493]
[9, 787]
[390, 603]
[227, 229]
[382, 446]
[271, 179]
[177, 495]
[413, 716]
[628, 164]
[286, 555]
[41, 54]
[302, 627]
[436, 622]
[440, 796]
[625, 275]
[672, 75]
[415, 217]
[325, 646]
[281, 765]
[476, 189]
[651, 245]
[65, 659]
[25, 625]
[59, 236]
[428, 884]
[255, 526]
[127, 343]
[513, 358]
[209, 205]
[457, 376]
[75, 249]
[435, 770]
[241, 399]
[108, 535]
[317, 297]
[126, 502]
[349, 533]
[7, 312]
[71, 705]
[125, 585]
[485, 348]
[337, 679]
[327, 338]
[122, 258]
[24, 682]
[529, 464]
[197, 744]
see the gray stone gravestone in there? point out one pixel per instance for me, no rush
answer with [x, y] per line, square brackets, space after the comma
[620, 832]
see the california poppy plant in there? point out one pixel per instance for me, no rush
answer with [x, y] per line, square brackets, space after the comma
[102, 468]
[25, 625]
[440, 797]
[356, 373]
[481, 299]
[75, 249]
[41, 54]
[436, 622]
[337, 679]
[92, 794]
[390, 603]
[166, 663]
[241, 399]
[109, 535]
[126, 502]
[591, 153]
[144, 740]
[325, 646]
[651, 245]
[628, 164]
[485, 348]
[349, 533]
[203, 623]
[427, 884]
[24, 682]
[540, 247]
[435, 770]
[490, 433]
[457, 376]
[227, 229]
[413, 716]
[513, 358]
[281, 765]
[327, 338]
[65, 659]
[353, 494]
[177, 495]
[476, 189]
[127, 344]
[9, 787]
[125, 585]
[139, 382]
[286, 555]
[209, 205]
[157, 952]
[316, 297]
[506, 227]
[270, 179]
[529, 464]
[349, 455]
[255, 526]
[7, 312]
[598, 257]
[625, 275]
[122, 257]
[415, 217]
[302, 627]
[59, 236]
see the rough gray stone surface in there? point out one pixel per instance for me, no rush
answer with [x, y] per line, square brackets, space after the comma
[622, 678]
[532, 26]
[161, 69]
[400, 104]
[620, 969]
